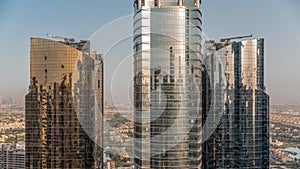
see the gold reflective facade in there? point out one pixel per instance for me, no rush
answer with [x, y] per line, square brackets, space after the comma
[64, 106]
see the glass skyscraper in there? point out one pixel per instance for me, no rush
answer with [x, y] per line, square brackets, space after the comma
[167, 84]
[64, 106]
[241, 140]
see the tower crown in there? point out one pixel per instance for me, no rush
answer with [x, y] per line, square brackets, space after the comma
[161, 3]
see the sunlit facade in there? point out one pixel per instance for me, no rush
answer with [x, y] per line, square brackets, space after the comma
[64, 106]
[167, 84]
[241, 139]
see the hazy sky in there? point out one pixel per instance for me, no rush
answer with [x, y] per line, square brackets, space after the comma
[275, 20]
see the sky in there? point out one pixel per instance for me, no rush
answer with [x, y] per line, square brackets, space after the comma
[275, 20]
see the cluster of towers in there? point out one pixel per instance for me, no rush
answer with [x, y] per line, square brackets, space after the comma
[191, 110]
[195, 110]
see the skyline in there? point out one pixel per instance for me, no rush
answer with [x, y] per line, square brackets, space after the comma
[22, 20]
[143, 84]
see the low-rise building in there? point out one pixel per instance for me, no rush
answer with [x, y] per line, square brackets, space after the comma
[11, 158]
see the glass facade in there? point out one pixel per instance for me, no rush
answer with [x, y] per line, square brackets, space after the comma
[64, 106]
[167, 84]
[242, 137]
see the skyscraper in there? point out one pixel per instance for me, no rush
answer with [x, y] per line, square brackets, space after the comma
[241, 139]
[64, 105]
[167, 84]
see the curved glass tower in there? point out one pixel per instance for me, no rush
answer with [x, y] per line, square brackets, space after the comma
[64, 106]
[167, 83]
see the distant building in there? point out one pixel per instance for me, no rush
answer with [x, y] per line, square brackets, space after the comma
[241, 140]
[20, 145]
[11, 158]
[110, 164]
[64, 106]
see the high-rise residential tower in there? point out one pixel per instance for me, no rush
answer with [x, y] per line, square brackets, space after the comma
[241, 139]
[64, 106]
[167, 84]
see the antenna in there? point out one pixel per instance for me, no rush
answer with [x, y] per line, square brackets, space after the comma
[237, 37]
[67, 40]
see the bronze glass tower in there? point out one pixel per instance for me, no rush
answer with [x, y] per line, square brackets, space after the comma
[167, 84]
[64, 106]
